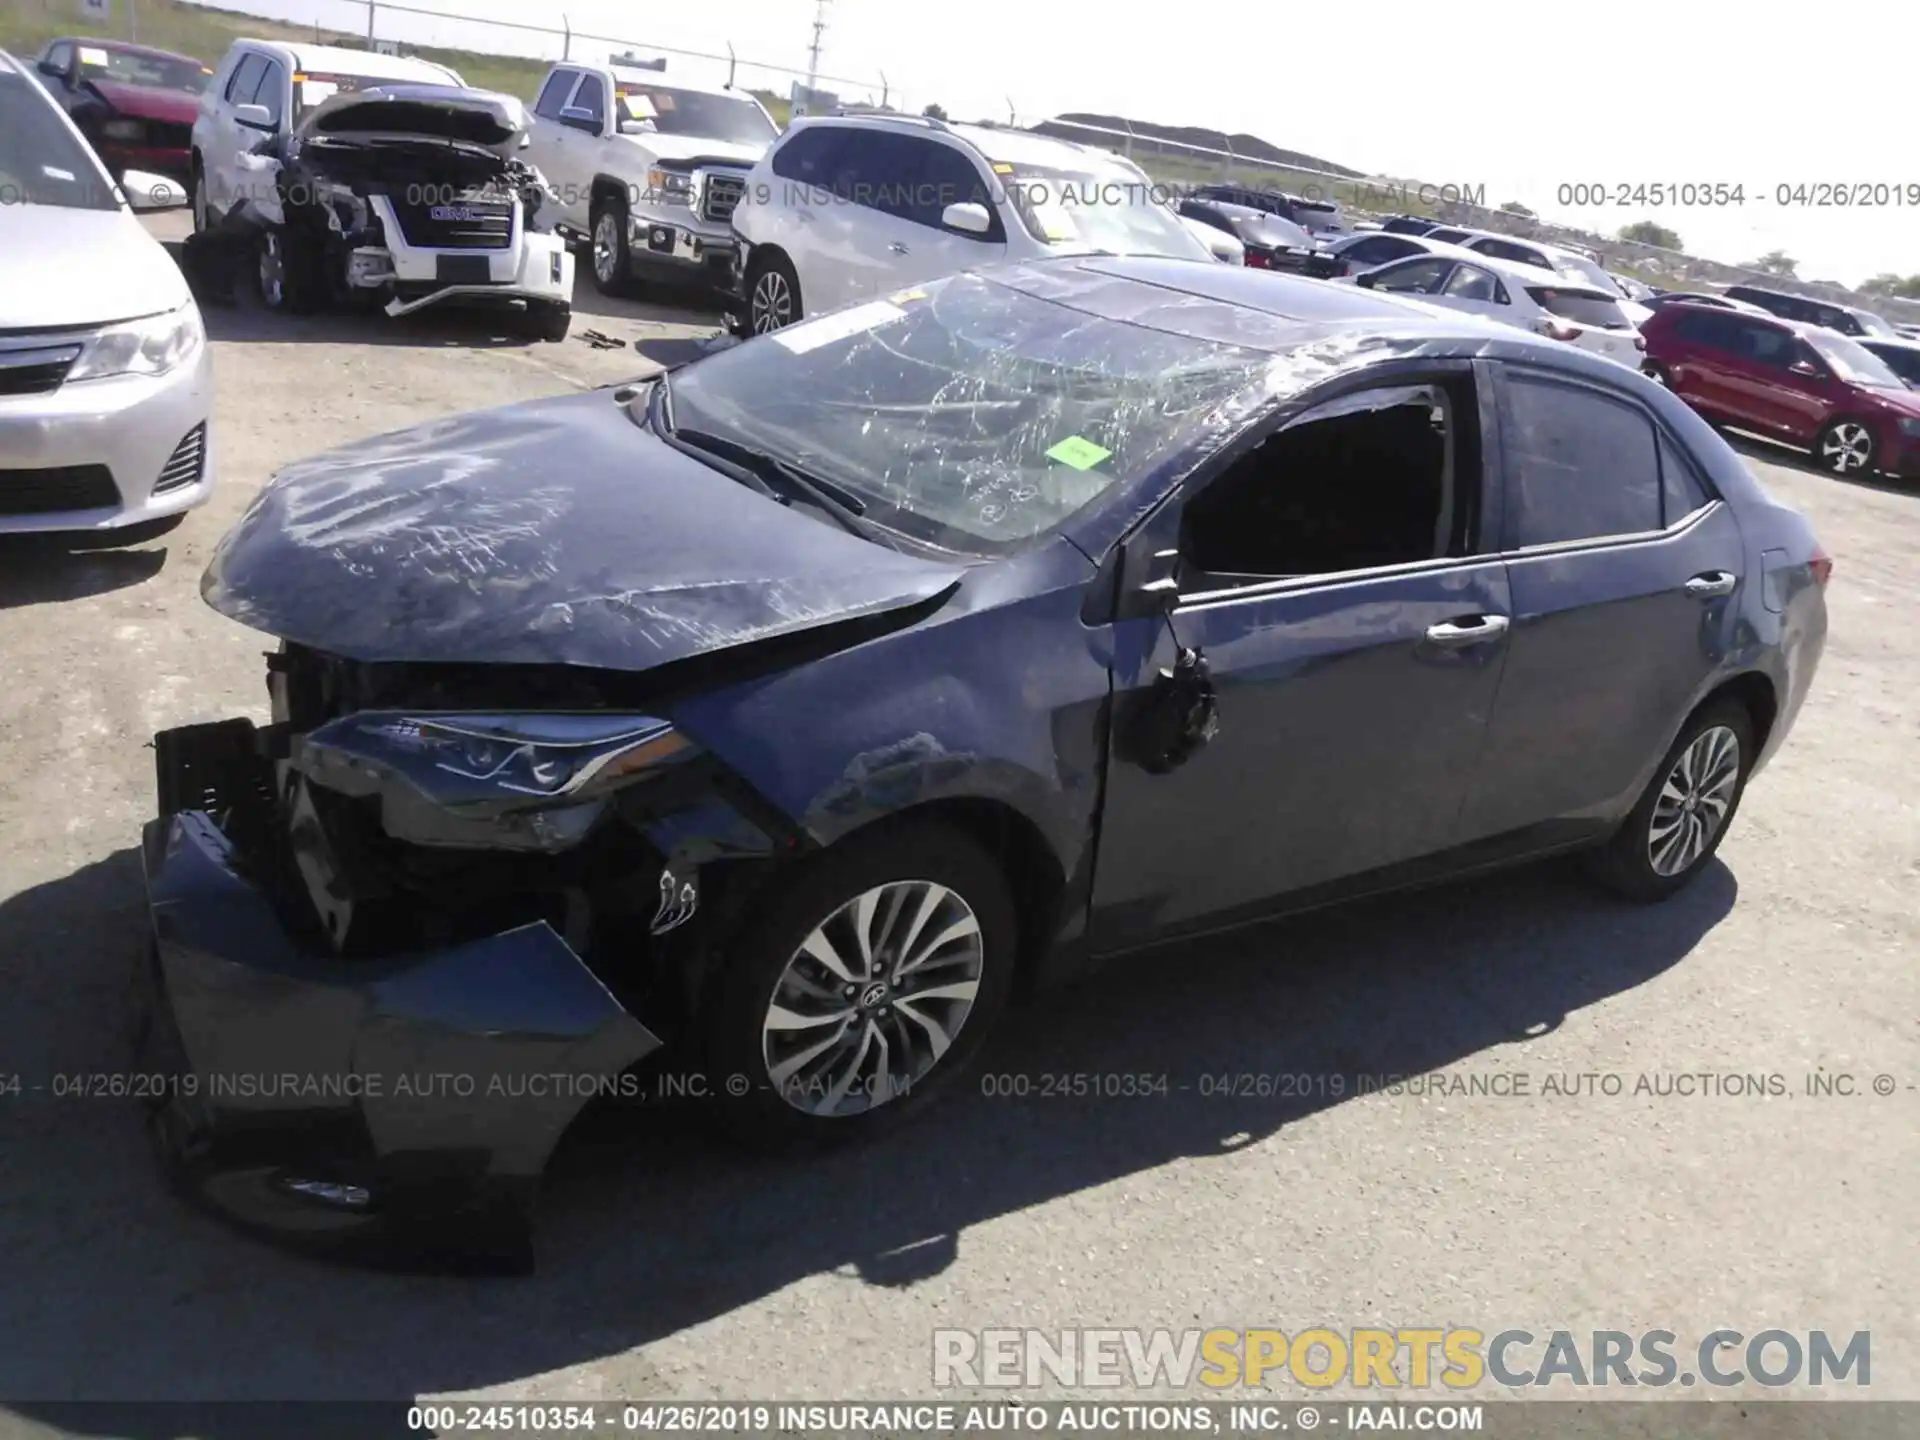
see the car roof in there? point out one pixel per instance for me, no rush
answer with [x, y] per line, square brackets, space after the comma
[1263, 310]
[1511, 269]
[128, 47]
[333, 59]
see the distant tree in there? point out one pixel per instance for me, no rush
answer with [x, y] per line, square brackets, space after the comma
[1774, 262]
[1646, 232]
[1514, 207]
[935, 112]
[1901, 287]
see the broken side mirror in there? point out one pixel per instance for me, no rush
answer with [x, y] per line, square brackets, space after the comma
[1152, 585]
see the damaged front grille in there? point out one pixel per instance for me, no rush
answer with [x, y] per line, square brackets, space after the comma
[455, 224]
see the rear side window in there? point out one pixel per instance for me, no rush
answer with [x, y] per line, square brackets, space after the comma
[1681, 492]
[1584, 466]
[1583, 307]
[1717, 330]
[553, 94]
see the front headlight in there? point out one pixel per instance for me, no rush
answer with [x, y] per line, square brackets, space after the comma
[1910, 425]
[504, 761]
[123, 130]
[152, 346]
[670, 187]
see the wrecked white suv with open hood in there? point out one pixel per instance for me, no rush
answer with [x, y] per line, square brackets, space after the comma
[411, 194]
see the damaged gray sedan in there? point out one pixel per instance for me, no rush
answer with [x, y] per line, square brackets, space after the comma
[792, 712]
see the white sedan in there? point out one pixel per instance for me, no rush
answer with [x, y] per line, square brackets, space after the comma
[105, 384]
[1543, 301]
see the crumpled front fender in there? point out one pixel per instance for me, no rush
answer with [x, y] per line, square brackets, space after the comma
[405, 1105]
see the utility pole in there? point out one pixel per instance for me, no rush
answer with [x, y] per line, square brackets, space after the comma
[813, 51]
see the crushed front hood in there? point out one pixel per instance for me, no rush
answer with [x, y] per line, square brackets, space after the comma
[556, 532]
[429, 112]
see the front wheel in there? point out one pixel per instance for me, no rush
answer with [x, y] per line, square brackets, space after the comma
[866, 985]
[283, 272]
[202, 204]
[1845, 448]
[773, 295]
[1683, 815]
[612, 257]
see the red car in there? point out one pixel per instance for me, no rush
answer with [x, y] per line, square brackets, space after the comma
[135, 105]
[1801, 384]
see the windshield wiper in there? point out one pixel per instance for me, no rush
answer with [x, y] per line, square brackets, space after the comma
[753, 467]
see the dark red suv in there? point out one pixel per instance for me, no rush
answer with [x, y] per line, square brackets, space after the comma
[1802, 384]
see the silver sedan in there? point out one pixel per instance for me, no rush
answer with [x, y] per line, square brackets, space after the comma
[106, 388]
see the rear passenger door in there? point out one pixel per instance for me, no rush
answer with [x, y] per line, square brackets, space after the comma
[1624, 573]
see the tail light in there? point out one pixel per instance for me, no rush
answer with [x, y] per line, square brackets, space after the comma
[1257, 260]
[1821, 565]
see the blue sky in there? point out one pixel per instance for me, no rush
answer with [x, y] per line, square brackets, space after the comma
[1519, 98]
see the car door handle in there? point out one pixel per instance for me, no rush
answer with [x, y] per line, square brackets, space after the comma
[1473, 630]
[897, 248]
[1712, 583]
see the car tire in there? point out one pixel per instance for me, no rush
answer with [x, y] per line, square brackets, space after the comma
[610, 253]
[1845, 447]
[202, 206]
[888, 1042]
[283, 272]
[773, 295]
[547, 320]
[1674, 830]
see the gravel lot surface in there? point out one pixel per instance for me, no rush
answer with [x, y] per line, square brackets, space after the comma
[672, 1267]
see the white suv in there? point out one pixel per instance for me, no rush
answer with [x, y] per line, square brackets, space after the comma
[846, 208]
[266, 88]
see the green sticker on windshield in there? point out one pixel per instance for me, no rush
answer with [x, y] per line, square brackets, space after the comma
[1079, 452]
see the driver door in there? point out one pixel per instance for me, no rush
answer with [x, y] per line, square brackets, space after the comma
[1334, 578]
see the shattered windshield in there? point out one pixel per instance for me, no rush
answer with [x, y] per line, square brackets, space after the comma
[966, 414]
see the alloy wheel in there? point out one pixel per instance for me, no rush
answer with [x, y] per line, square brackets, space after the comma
[1693, 801]
[873, 998]
[606, 248]
[772, 302]
[1847, 448]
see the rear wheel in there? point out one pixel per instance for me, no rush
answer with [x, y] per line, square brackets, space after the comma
[612, 256]
[1845, 448]
[863, 988]
[1681, 818]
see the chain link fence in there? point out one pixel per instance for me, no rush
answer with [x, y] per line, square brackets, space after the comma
[512, 55]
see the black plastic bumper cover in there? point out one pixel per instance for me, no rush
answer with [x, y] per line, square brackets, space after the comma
[400, 1108]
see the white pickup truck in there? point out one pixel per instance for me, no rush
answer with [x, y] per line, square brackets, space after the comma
[647, 169]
